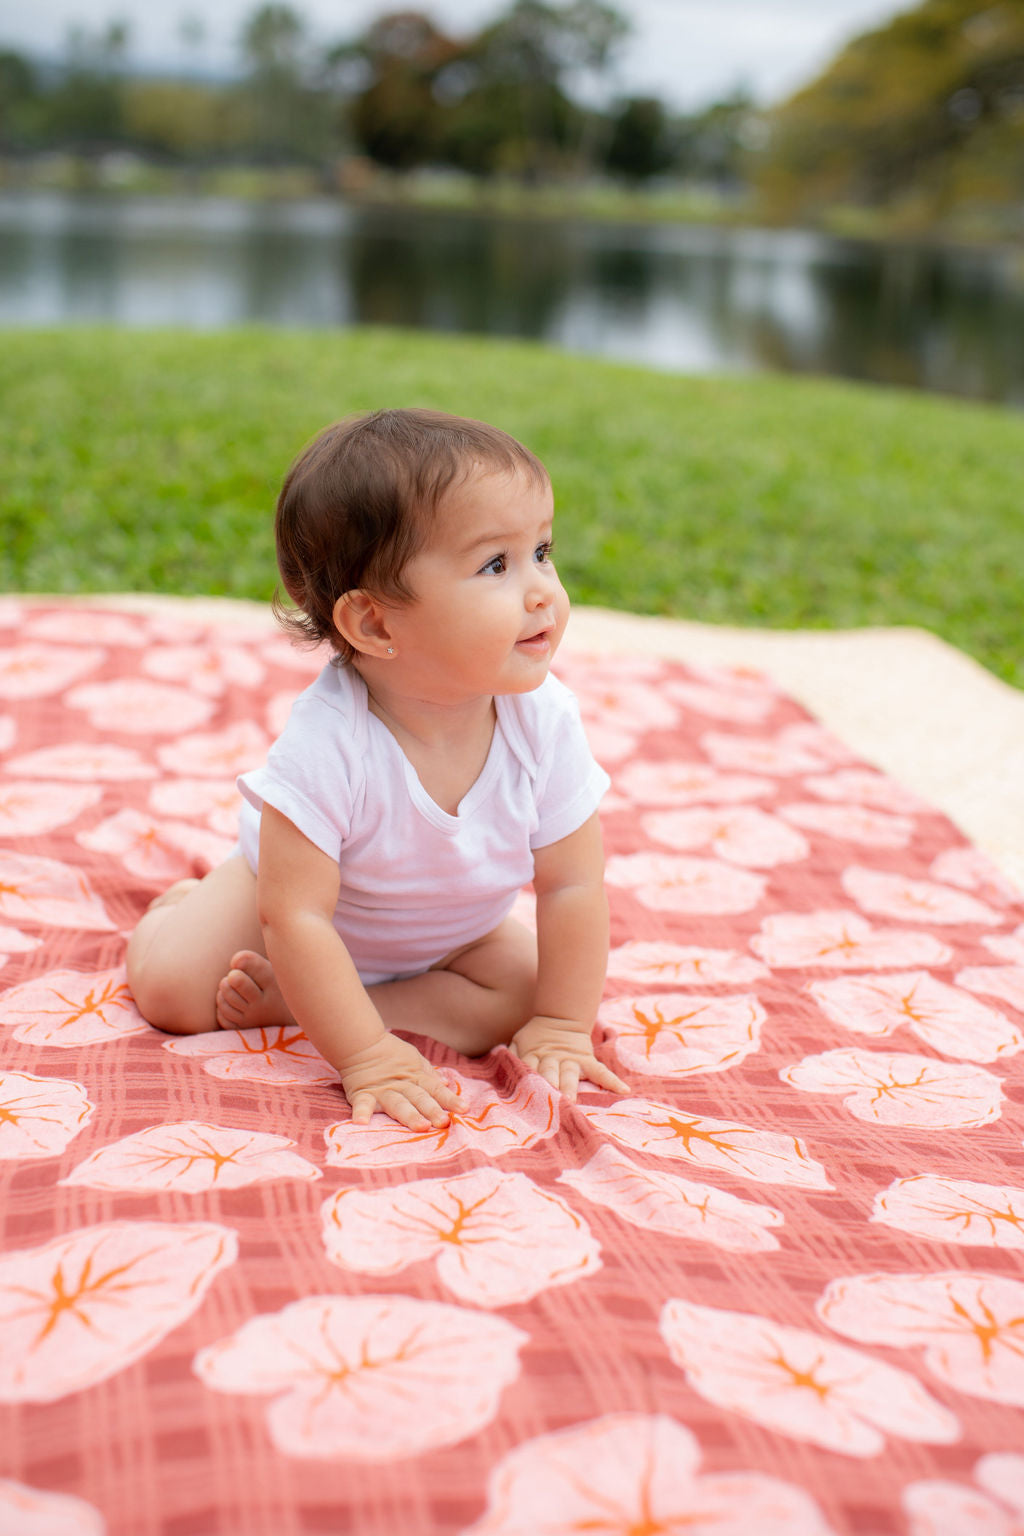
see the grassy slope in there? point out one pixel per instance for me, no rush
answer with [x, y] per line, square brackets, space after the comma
[150, 461]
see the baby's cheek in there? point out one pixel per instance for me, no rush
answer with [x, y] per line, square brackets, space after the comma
[562, 607]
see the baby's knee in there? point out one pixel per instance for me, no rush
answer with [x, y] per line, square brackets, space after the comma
[481, 1040]
[508, 1011]
[166, 1000]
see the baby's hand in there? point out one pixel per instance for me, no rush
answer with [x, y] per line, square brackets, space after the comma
[562, 1053]
[392, 1075]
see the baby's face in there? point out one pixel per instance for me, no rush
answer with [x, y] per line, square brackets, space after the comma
[489, 610]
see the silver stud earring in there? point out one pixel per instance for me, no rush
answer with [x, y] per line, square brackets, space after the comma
[391, 650]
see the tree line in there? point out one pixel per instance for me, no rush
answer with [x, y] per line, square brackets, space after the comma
[919, 121]
[514, 98]
[922, 118]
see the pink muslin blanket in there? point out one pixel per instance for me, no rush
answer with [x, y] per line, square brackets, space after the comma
[777, 1289]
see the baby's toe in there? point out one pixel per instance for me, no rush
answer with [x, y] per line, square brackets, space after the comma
[256, 967]
[242, 986]
[231, 1006]
[248, 996]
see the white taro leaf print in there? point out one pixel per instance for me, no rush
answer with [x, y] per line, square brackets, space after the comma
[667, 882]
[368, 1378]
[950, 1210]
[676, 1033]
[799, 1382]
[941, 1016]
[496, 1238]
[635, 1475]
[83, 1306]
[659, 1201]
[39, 1116]
[191, 1156]
[970, 1324]
[896, 1088]
[748, 1151]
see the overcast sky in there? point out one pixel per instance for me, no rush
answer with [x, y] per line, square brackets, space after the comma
[688, 52]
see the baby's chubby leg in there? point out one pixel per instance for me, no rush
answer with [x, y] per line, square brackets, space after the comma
[183, 946]
[473, 999]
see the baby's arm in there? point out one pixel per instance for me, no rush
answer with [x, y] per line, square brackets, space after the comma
[297, 894]
[572, 944]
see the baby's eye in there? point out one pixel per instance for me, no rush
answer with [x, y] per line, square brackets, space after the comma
[542, 554]
[495, 567]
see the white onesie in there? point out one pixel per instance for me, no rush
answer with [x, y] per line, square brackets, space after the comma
[416, 882]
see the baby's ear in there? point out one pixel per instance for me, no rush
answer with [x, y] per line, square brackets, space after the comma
[361, 620]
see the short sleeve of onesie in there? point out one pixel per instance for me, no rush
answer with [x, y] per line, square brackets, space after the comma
[568, 784]
[314, 772]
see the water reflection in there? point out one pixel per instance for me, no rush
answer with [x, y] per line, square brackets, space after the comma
[695, 300]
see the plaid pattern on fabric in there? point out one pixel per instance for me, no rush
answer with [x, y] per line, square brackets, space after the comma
[779, 1288]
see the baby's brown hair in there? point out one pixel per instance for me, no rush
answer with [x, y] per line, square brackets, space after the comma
[358, 504]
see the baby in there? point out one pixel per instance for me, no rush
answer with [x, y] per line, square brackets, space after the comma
[433, 769]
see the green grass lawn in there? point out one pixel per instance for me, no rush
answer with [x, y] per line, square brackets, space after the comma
[149, 461]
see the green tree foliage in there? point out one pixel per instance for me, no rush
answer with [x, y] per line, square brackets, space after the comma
[516, 110]
[186, 121]
[506, 100]
[86, 110]
[516, 104]
[284, 117]
[19, 98]
[640, 144]
[713, 143]
[919, 123]
[497, 101]
[593, 35]
[923, 117]
[397, 117]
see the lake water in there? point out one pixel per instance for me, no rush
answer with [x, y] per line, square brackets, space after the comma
[691, 299]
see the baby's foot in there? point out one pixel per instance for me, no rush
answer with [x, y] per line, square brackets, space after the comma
[248, 996]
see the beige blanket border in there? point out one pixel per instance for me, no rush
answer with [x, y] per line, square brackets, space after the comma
[901, 698]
